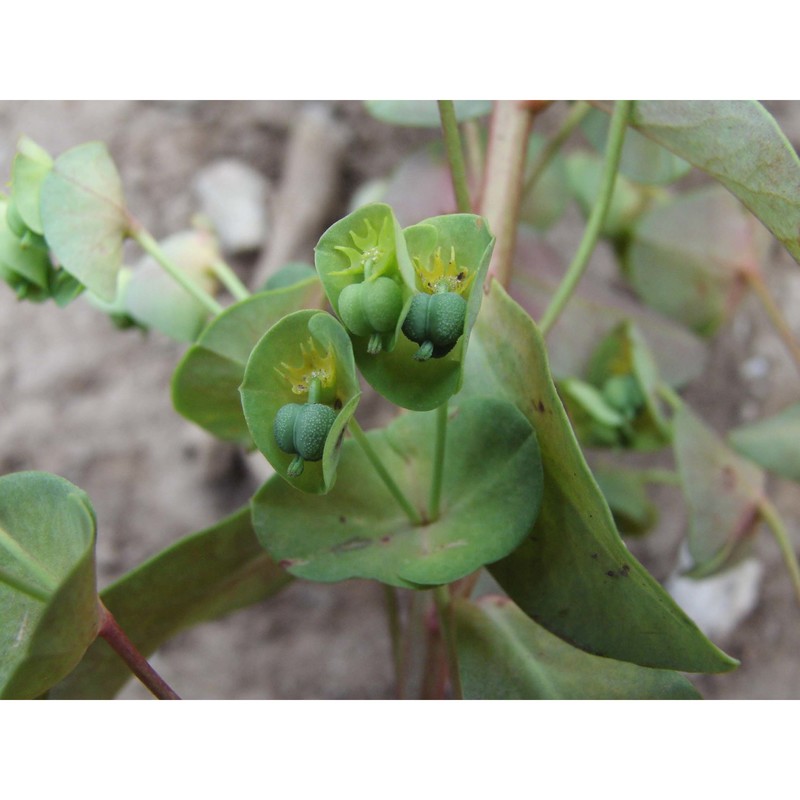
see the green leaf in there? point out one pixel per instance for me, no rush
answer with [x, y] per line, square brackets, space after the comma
[595, 423]
[628, 202]
[18, 262]
[772, 442]
[625, 491]
[290, 274]
[623, 356]
[31, 166]
[642, 160]
[84, 217]
[48, 599]
[154, 299]
[687, 257]
[205, 385]
[199, 578]
[593, 311]
[64, 287]
[738, 143]
[358, 529]
[291, 353]
[504, 655]
[573, 574]
[424, 113]
[723, 493]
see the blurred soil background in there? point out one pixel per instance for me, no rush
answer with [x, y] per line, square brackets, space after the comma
[83, 400]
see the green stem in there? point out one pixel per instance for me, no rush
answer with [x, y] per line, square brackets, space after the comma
[438, 461]
[152, 248]
[554, 144]
[455, 156]
[395, 637]
[125, 648]
[616, 135]
[383, 473]
[39, 582]
[444, 606]
[770, 515]
[230, 280]
[774, 313]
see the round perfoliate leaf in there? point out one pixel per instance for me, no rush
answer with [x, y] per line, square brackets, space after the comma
[205, 385]
[364, 266]
[448, 253]
[48, 596]
[360, 531]
[305, 358]
[84, 217]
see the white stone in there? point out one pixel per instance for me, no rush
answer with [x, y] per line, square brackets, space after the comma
[234, 197]
[720, 602]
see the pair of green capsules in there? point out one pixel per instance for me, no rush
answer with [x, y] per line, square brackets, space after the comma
[434, 321]
[370, 308]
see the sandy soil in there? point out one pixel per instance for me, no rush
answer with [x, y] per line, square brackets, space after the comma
[92, 404]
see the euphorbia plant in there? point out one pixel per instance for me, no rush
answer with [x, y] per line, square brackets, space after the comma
[478, 493]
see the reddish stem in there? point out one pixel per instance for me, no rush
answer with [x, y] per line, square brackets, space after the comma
[138, 665]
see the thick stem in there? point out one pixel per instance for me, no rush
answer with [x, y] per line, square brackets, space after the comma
[502, 188]
[444, 607]
[438, 462]
[771, 517]
[455, 155]
[616, 135]
[554, 144]
[138, 665]
[383, 473]
[230, 280]
[152, 248]
[774, 313]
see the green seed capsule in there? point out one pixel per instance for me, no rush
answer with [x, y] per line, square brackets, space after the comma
[302, 429]
[371, 308]
[435, 322]
[283, 427]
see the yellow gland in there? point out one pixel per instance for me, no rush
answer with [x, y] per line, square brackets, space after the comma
[368, 251]
[315, 365]
[443, 277]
